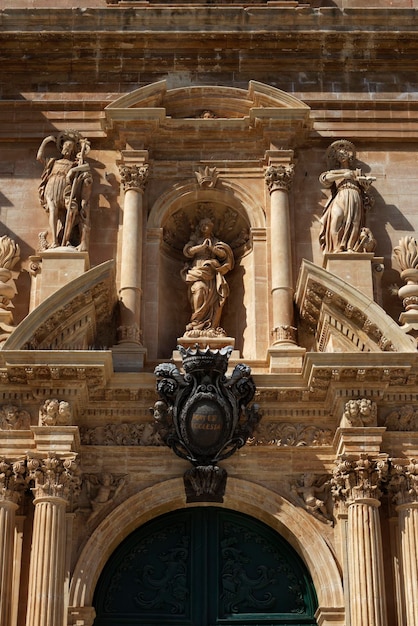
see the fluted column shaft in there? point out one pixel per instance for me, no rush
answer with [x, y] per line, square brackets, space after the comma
[7, 530]
[408, 526]
[278, 180]
[403, 487]
[356, 484]
[47, 565]
[56, 479]
[365, 562]
[133, 179]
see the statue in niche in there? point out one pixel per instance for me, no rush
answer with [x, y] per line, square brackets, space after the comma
[65, 190]
[343, 220]
[210, 260]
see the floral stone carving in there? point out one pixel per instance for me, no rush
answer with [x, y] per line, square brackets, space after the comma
[204, 417]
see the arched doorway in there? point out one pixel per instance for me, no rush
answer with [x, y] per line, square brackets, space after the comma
[204, 566]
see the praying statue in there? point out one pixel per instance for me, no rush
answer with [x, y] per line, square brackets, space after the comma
[65, 190]
[210, 260]
[343, 220]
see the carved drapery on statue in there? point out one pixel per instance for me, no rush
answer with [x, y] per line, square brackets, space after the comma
[343, 220]
[204, 416]
[65, 190]
[210, 260]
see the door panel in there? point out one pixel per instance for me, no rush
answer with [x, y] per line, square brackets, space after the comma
[204, 566]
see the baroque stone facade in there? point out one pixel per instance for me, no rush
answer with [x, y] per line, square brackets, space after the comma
[197, 179]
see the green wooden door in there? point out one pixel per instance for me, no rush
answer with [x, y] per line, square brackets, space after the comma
[204, 566]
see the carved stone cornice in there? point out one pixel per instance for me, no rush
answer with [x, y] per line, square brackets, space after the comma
[403, 483]
[12, 480]
[358, 479]
[54, 476]
[133, 177]
[279, 177]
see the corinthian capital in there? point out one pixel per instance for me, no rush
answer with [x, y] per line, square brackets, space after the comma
[12, 480]
[358, 479]
[133, 176]
[54, 476]
[403, 483]
[279, 177]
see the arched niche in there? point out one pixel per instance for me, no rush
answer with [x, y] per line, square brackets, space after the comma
[239, 220]
[292, 523]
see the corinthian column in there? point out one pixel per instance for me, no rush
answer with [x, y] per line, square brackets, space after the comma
[11, 482]
[357, 483]
[55, 478]
[134, 175]
[279, 176]
[404, 489]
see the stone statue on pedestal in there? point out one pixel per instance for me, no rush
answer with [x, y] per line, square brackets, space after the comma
[343, 220]
[65, 190]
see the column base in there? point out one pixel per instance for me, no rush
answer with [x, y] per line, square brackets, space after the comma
[286, 358]
[128, 357]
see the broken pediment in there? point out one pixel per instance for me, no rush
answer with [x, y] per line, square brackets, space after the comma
[342, 319]
[188, 116]
[76, 317]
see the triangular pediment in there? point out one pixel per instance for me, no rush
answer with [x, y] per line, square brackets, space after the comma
[343, 319]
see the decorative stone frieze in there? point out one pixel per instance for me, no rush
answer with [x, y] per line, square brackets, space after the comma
[286, 434]
[402, 419]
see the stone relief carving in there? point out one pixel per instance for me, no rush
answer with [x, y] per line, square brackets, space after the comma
[314, 491]
[55, 413]
[13, 418]
[402, 419]
[343, 220]
[65, 190]
[207, 177]
[210, 260]
[102, 490]
[406, 253]
[9, 257]
[358, 413]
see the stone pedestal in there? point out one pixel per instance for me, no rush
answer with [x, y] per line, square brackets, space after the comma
[54, 268]
[356, 269]
[353, 442]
